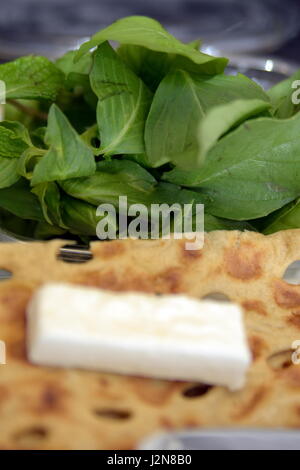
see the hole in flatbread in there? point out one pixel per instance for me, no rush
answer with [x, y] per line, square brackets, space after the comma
[75, 254]
[31, 436]
[281, 359]
[4, 274]
[292, 273]
[195, 391]
[112, 413]
[219, 296]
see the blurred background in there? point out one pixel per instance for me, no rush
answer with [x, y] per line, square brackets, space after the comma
[252, 33]
[228, 26]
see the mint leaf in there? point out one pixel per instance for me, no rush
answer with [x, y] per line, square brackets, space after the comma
[181, 101]
[251, 172]
[12, 140]
[148, 33]
[67, 157]
[31, 77]
[19, 130]
[124, 103]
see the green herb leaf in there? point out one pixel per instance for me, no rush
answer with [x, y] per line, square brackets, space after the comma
[251, 172]
[124, 103]
[15, 226]
[81, 217]
[112, 179]
[77, 75]
[216, 223]
[19, 130]
[31, 77]
[284, 219]
[49, 197]
[18, 200]
[181, 101]
[44, 231]
[67, 64]
[28, 161]
[146, 32]
[13, 139]
[281, 97]
[150, 66]
[68, 156]
[8, 172]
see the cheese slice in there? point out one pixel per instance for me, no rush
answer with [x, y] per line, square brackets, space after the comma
[169, 337]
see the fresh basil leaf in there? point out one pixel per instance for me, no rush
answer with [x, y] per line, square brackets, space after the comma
[217, 122]
[251, 172]
[77, 75]
[28, 160]
[140, 158]
[12, 144]
[222, 118]
[31, 77]
[49, 197]
[147, 32]
[8, 172]
[18, 200]
[171, 134]
[67, 64]
[17, 227]
[281, 97]
[67, 157]
[111, 180]
[79, 82]
[124, 103]
[80, 217]
[150, 66]
[167, 193]
[212, 223]
[38, 137]
[126, 170]
[44, 231]
[78, 111]
[91, 137]
[196, 44]
[284, 219]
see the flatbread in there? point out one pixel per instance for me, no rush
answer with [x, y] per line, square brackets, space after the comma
[48, 408]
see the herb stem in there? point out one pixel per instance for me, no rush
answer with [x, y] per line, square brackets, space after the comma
[27, 110]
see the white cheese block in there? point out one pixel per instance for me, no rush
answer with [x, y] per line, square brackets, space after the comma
[169, 337]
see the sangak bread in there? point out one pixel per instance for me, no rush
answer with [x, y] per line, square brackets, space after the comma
[44, 408]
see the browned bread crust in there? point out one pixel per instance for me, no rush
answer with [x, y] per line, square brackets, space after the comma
[44, 408]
